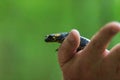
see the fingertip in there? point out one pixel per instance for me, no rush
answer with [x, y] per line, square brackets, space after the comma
[114, 23]
[114, 26]
[75, 31]
[75, 35]
[70, 41]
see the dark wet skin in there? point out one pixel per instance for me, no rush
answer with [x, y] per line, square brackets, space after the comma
[60, 37]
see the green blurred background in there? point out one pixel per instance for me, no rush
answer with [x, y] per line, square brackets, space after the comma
[23, 24]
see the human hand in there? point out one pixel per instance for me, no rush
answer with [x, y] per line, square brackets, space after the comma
[94, 62]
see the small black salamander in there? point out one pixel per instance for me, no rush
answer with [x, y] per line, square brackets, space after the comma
[59, 37]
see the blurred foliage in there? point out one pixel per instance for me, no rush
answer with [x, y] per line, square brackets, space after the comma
[23, 24]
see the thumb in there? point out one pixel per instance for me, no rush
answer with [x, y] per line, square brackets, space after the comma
[68, 48]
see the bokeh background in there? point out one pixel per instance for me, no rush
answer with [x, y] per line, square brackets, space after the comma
[23, 24]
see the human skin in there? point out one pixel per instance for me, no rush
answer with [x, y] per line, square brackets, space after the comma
[94, 62]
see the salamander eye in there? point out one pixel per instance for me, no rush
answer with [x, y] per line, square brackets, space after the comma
[48, 38]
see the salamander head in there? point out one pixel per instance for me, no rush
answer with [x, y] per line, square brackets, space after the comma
[52, 38]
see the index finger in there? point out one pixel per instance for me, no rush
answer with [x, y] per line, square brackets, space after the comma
[100, 41]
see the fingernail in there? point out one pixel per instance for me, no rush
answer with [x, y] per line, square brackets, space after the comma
[72, 34]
